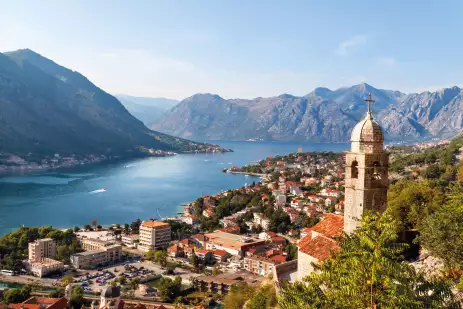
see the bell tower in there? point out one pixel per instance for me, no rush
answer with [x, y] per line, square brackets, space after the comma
[367, 166]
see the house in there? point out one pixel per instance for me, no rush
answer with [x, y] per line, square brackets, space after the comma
[41, 303]
[220, 255]
[280, 199]
[267, 235]
[200, 240]
[231, 229]
[191, 220]
[204, 255]
[297, 203]
[330, 201]
[279, 241]
[330, 192]
[318, 243]
[175, 251]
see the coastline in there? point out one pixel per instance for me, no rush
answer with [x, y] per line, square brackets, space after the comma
[244, 173]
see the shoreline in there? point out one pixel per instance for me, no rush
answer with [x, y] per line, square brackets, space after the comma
[244, 173]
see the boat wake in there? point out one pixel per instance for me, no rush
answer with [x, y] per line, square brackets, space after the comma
[98, 191]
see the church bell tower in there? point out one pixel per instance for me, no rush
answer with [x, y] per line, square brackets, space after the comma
[366, 171]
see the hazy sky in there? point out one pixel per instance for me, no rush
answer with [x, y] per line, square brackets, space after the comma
[243, 48]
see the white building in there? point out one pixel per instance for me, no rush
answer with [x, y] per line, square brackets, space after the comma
[42, 248]
[154, 235]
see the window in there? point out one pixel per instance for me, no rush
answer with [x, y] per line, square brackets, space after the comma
[354, 171]
[376, 171]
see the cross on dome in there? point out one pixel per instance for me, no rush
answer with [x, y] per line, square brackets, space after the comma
[369, 101]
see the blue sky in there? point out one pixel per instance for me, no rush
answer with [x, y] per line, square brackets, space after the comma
[243, 48]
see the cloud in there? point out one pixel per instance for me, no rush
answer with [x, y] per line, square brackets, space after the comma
[387, 61]
[347, 46]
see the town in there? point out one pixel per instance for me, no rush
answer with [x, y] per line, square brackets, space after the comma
[268, 233]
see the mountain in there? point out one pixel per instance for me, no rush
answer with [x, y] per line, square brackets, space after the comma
[148, 110]
[46, 109]
[323, 115]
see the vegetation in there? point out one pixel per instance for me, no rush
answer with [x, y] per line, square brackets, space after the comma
[368, 272]
[247, 297]
[169, 289]
[13, 246]
[17, 295]
[442, 232]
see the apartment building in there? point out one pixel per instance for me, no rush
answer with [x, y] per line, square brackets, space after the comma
[154, 235]
[260, 265]
[98, 252]
[42, 248]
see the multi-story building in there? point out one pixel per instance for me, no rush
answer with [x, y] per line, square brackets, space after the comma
[260, 265]
[42, 248]
[98, 252]
[45, 266]
[154, 235]
[130, 240]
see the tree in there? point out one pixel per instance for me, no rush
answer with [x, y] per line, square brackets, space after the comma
[238, 296]
[63, 253]
[134, 284]
[194, 260]
[410, 201]
[442, 232]
[58, 293]
[76, 229]
[17, 295]
[67, 279]
[122, 280]
[264, 298]
[150, 255]
[368, 272]
[169, 289]
[88, 227]
[135, 226]
[433, 171]
[126, 228]
[161, 258]
[77, 297]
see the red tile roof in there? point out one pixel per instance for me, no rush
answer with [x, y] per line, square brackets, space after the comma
[332, 225]
[278, 258]
[320, 247]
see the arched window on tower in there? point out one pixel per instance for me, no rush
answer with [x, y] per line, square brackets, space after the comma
[354, 170]
[376, 170]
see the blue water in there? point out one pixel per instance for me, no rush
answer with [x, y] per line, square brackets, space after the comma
[143, 188]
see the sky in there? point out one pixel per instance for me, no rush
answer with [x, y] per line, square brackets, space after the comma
[242, 48]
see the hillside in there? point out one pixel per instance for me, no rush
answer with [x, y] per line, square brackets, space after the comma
[148, 110]
[322, 115]
[48, 109]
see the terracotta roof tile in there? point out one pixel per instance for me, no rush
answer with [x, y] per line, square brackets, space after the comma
[320, 247]
[332, 225]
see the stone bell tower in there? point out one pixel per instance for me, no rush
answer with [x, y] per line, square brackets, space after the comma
[366, 171]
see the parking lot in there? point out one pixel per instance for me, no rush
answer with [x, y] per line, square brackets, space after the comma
[96, 280]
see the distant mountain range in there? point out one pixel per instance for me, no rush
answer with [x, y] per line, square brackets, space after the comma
[46, 108]
[323, 115]
[148, 110]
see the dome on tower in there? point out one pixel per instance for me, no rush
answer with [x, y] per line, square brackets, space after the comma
[367, 135]
[367, 130]
[111, 292]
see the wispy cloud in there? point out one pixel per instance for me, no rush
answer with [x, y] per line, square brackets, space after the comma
[347, 46]
[387, 61]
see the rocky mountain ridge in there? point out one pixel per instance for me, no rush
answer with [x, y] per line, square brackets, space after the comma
[323, 115]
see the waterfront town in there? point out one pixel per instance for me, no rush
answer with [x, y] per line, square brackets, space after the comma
[272, 232]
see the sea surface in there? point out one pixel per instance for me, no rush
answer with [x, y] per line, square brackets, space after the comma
[124, 191]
